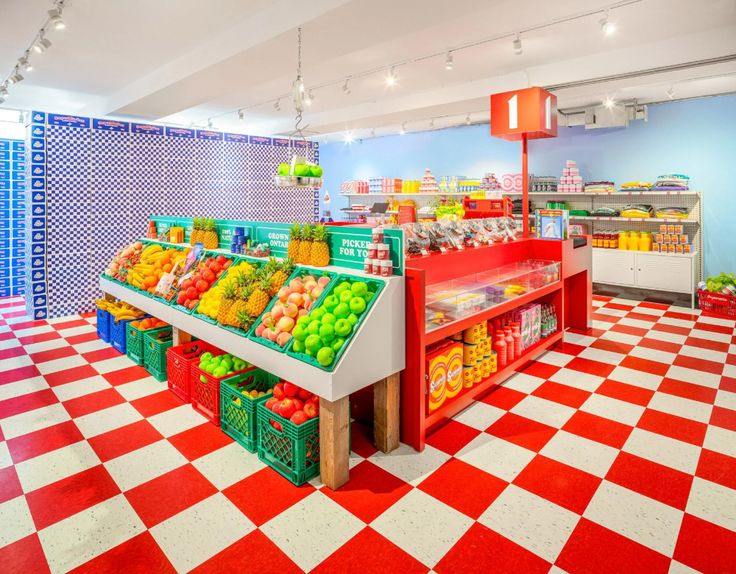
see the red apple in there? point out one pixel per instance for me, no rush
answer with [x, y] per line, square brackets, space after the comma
[278, 391]
[304, 394]
[290, 389]
[299, 405]
[287, 408]
[299, 417]
[311, 409]
[270, 403]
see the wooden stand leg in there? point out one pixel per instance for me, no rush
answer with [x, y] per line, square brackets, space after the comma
[180, 337]
[334, 442]
[386, 427]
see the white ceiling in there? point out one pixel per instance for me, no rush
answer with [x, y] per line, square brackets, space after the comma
[184, 61]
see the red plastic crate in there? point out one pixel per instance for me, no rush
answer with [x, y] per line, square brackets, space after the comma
[205, 395]
[717, 304]
[178, 362]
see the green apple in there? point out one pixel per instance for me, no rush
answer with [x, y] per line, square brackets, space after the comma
[337, 344]
[352, 319]
[313, 343]
[357, 305]
[219, 372]
[326, 333]
[342, 311]
[328, 319]
[359, 288]
[299, 333]
[313, 328]
[284, 169]
[303, 321]
[211, 366]
[325, 356]
[239, 364]
[345, 296]
[330, 302]
[227, 363]
[343, 286]
[309, 352]
[315, 171]
[317, 313]
[343, 328]
[205, 357]
[301, 170]
[369, 296]
[299, 346]
[203, 379]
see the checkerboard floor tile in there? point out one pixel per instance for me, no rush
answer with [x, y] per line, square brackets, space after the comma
[614, 452]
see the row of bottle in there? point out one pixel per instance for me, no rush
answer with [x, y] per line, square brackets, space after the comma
[628, 240]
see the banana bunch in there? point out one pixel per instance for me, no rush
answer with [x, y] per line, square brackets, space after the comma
[151, 254]
[121, 310]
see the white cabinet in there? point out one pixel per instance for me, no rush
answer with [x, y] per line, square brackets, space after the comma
[614, 266]
[647, 270]
[664, 272]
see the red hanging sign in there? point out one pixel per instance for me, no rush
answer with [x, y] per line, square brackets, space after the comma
[531, 111]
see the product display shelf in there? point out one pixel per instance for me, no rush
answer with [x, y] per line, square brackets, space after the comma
[375, 356]
[570, 295]
[466, 397]
[425, 194]
[656, 272]
[602, 193]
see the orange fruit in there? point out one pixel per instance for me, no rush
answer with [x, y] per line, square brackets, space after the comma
[167, 268]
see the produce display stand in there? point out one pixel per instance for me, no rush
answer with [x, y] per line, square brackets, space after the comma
[375, 356]
[570, 295]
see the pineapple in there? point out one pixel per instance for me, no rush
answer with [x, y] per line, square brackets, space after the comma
[236, 309]
[229, 294]
[259, 297]
[280, 275]
[194, 238]
[244, 319]
[295, 239]
[305, 245]
[209, 235]
[320, 251]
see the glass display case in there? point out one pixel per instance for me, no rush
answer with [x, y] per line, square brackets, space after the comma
[455, 299]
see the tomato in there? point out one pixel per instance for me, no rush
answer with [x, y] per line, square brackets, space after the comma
[202, 285]
[186, 284]
[192, 293]
[226, 264]
[214, 267]
[192, 304]
[221, 259]
[181, 298]
[208, 276]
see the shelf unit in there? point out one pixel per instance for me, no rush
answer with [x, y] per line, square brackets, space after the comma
[570, 296]
[355, 216]
[692, 200]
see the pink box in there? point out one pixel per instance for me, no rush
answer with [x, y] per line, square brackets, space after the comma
[529, 318]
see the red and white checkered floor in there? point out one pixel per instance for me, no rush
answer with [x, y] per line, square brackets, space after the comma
[614, 453]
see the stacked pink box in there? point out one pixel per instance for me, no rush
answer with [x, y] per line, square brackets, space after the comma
[355, 186]
[571, 180]
[384, 185]
[529, 318]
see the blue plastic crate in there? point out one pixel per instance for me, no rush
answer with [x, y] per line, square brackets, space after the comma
[118, 332]
[103, 325]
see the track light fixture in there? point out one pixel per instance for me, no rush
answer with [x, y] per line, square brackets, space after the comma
[431, 123]
[309, 99]
[518, 50]
[55, 19]
[670, 92]
[609, 103]
[402, 131]
[42, 44]
[3, 91]
[209, 123]
[25, 64]
[277, 105]
[449, 61]
[349, 137]
[373, 132]
[391, 79]
[241, 115]
[467, 120]
[15, 77]
[346, 87]
[608, 27]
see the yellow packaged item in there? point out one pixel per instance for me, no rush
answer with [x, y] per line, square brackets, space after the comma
[436, 376]
[470, 353]
[494, 361]
[623, 240]
[454, 356]
[645, 241]
[467, 376]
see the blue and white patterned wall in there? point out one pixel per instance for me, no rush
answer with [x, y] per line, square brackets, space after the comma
[95, 183]
[12, 217]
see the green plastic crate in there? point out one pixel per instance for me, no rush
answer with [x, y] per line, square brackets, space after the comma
[154, 351]
[238, 414]
[299, 271]
[292, 452]
[375, 285]
[134, 342]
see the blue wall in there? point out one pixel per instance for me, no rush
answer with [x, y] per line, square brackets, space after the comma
[696, 137]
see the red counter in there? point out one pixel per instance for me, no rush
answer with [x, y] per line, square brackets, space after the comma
[571, 296]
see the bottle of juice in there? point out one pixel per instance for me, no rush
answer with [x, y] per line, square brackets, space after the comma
[634, 241]
[645, 241]
[516, 334]
[623, 240]
[499, 345]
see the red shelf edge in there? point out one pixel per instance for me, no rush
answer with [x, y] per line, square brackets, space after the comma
[465, 398]
[461, 324]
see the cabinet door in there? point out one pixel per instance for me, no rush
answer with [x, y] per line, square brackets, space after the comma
[664, 273]
[613, 266]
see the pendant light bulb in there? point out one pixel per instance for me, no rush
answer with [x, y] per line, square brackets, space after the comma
[402, 131]
[467, 120]
[431, 123]
[449, 61]
[349, 137]
[608, 27]
[518, 50]
[391, 79]
[609, 103]
[346, 87]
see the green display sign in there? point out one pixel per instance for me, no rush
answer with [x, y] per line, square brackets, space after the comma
[348, 245]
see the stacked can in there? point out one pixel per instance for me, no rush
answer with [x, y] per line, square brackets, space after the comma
[477, 355]
[378, 261]
[240, 240]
